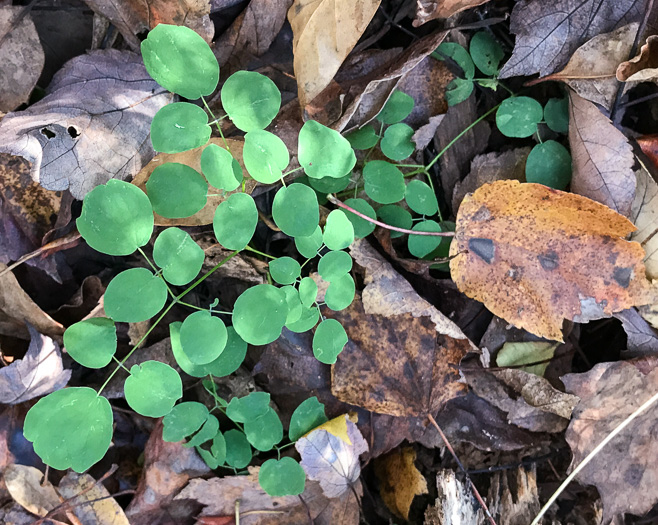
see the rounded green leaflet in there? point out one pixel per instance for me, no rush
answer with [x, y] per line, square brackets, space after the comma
[422, 245]
[398, 107]
[334, 265]
[295, 210]
[323, 152]
[518, 116]
[384, 183]
[396, 143]
[338, 231]
[340, 293]
[420, 198]
[152, 388]
[549, 164]
[265, 432]
[365, 138]
[307, 416]
[362, 227]
[92, 342]
[220, 168]
[307, 320]
[309, 245]
[70, 428]
[295, 307]
[443, 250]
[116, 218]
[235, 221]
[308, 291]
[285, 270]
[459, 55]
[283, 477]
[176, 190]
[178, 127]
[249, 407]
[231, 358]
[458, 90]
[329, 184]
[556, 114]
[183, 421]
[207, 431]
[217, 454]
[251, 100]
[180, 61]
[394, 215]
[135, 295]
[265, 156]
[238, 449]
[486, 52]
[203, 337]
[328, 341]
[260, 313]
[178, 255]
[181, 358]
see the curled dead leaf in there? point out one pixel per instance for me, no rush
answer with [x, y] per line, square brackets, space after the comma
[643, 67]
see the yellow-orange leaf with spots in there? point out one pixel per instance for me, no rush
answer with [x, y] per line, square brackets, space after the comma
[536, 256]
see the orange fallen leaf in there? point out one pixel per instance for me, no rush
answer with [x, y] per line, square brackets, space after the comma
[535, 256]
[400, 480]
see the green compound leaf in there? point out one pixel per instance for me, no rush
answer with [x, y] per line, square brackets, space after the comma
[178, 255]
[309, 245]
[295, 210]
[235, 221]
[217, 454]
[176, 190]
[422, 245]
[307, 320]
[397, 143]
[285, 270]
[556, 114]
[397, 108]
[486, 52]
[328, 341]
[92, 342]
[152, 388]
[323, 152]
[137, 283]
[340, 293]
[203, 337]
[458, 90]
[265, 156]
[209, 430]
[183, 421]
[362, 227]
[251, 100]
[366, 137]
[394, 215]
[260, 313]
[238, 449]
[265, 432]
[384, 183]
[461, 57]
[338, 231]
[518, 116]
[70, 428]
[180, 61]
[549, 164]
[220, 168]
[179, 127]
[116, 218]
[329, 184]
[283, 477]
[249, 407]
[294, 303]
[334, 265]
[308, 292]
[421, 198]
[307, 416]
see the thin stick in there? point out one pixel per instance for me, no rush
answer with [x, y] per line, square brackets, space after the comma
[461, 467]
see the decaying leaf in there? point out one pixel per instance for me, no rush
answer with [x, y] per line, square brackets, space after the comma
[92, 126]
[625, 471]
[24, 485]
[93, 503]
[602, 157]
[644, 214]
[427, 10]
[547, 33]
[642, 339]
[649, 146]
[643, 67]
[400, 480]
[525, 352]
[535, 256]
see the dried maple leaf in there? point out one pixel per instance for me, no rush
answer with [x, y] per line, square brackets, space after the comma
[535, 256]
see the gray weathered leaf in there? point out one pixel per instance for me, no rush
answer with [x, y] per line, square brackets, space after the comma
[92, 126]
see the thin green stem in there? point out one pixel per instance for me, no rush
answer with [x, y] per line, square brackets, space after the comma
[292, 171]
[410, 165]
[192, 306]
[219, 128]
[157, 271]
[250, 249]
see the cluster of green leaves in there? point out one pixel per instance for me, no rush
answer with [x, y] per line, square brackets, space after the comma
[549, 162]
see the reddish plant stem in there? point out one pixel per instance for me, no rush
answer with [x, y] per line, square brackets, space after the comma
[341, 204]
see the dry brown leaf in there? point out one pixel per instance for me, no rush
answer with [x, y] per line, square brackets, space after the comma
[400, 480]
[602, 157]
[643, 67]
[644, 214]
[625, 471]
[22, 57]
[424, 134]
[649, 146]
[427, 10]
[324, 33]
[536, 256]
[642, 339]
[24, 485]
[93, 503]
